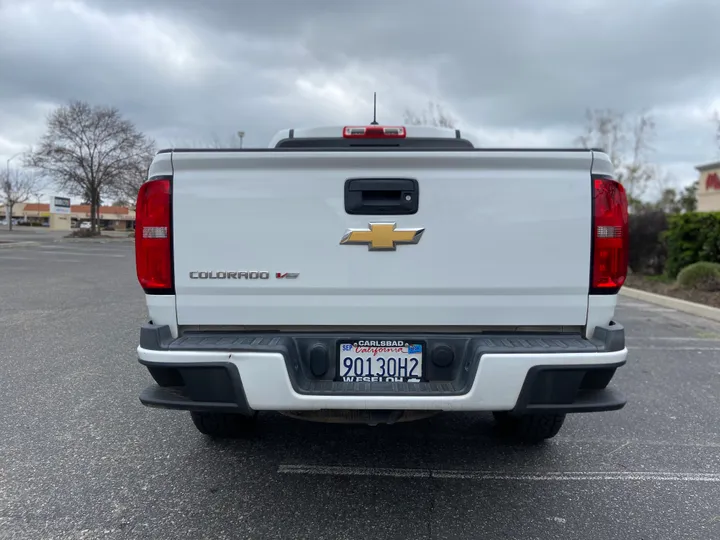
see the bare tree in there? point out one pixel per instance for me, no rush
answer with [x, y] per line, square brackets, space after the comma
[627, 141]
[214, 141]
[128, 186]
[16, 187]
[90, 151]
[432, 115]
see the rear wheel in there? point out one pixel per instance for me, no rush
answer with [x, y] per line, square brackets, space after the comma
[224, 425]
[529, 428]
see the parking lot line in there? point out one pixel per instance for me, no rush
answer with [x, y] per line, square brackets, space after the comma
[670, 338]
[88, 247]
[623, 476]
[634, 442]
[34, 260]
[642, 348]
[81, 252]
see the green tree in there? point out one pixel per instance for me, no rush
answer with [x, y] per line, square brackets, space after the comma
[687, 199]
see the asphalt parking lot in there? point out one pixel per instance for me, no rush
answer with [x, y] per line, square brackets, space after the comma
[81, 458]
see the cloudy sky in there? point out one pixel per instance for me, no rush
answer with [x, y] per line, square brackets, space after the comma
[513, 72]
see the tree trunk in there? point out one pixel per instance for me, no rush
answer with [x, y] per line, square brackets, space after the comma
[97, 211]
[93, 214]
[8, 214]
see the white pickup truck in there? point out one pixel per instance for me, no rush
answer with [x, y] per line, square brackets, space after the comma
[379, 274]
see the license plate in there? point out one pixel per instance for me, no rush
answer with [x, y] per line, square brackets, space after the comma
[380, 361]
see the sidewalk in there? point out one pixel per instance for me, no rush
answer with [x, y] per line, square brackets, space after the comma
[692, 308]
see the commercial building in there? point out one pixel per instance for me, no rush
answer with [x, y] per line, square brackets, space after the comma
[115, 217]
[708, 193]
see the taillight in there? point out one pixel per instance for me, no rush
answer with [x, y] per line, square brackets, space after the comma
[374, 132]
[610, 236]
[153, 241]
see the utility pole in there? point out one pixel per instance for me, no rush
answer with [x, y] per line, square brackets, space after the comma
[241, 136]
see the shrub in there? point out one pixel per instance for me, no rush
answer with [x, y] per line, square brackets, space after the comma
[648, 252]
[692, 237]
[703, 276]
[82, 233]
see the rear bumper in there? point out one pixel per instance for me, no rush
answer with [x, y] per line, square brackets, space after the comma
[240, 373]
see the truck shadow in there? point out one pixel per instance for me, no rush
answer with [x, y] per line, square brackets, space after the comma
[382, 480]
[443, 441]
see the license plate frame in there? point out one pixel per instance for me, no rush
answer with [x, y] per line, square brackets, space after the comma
[369, 360]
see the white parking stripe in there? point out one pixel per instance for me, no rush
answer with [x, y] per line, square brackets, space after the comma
[641, 348]
[94, 247]
[671, 338]
[80, 252]
[501, 475]
[635, 442]
[34, 262]
[84, 249]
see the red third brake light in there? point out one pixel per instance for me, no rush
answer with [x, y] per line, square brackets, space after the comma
[610, 236]
[374, 132]
[153, 253]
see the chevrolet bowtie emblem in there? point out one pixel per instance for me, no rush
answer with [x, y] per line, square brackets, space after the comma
[382, 236]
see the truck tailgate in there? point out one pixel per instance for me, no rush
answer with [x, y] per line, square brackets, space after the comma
[505, 240]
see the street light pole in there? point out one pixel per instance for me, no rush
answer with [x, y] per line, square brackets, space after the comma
[7, 163]
[7, 179]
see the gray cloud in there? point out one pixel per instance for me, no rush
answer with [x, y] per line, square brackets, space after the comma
[512, 70]
[526, 62]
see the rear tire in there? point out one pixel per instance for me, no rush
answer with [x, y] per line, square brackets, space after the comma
[224, 425]
[529, 428]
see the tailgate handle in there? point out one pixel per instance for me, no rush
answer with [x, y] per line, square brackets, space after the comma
[381, 196]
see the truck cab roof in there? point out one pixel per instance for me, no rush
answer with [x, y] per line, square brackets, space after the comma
[373, 136]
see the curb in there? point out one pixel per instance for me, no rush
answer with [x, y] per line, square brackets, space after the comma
[19, 244]
[699, 310]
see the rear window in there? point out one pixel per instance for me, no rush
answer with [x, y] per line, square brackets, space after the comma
[418, 143]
